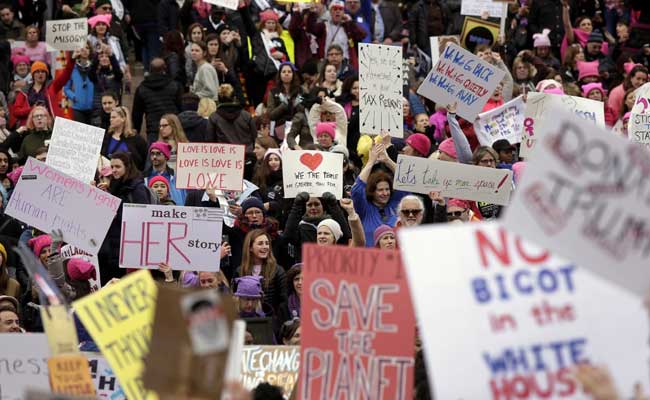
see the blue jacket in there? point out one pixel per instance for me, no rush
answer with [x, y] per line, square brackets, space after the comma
[80, 91]
[178, 195]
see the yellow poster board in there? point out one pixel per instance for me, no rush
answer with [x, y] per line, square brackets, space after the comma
[119, 317]
[60, 329]
[70, 374]
[477, 31]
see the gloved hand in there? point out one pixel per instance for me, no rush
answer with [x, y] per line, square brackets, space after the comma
[297, 100]
[328, 199]
[302, 197]
[57, 240]
[283, 99]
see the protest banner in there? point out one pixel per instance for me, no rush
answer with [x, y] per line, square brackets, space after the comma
[358, 330]
[520, 318]
[537, 112]
[314, 172]
[463, 78]
[105, 381]
[23, 364]
[504, 122]
[468, 182]
[70, 374]
[638, 127]
[477, 31]
[216, 165]
[585, 197]
[479, 7]
[230, 4]
[438, 44]
[185, 238]
[67, 34]
[48, 199]
[277, 365]
[74, 148]
[119, 318]
[381, 99]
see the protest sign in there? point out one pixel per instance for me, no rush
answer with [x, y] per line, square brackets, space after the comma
[277, 365]
[230, 4]
[314, 172]
[477, 31]
[585, 196]
[216, 165]
[468, 182]
[537, 112]
[23, 364]
[463, 78]
[380, 89]
[59, 326]
[119, 318]
[479, 7]
[47, 199]
[67, 34]
[185, 238]
[74, 148]
[638, 127]
[70, 374]
[504, 122]
[520, 318]
[438, 44]
[358, 330]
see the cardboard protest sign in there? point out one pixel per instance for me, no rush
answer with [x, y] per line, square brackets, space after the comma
[70, 374]
[230, 4]
[58, 323]
[504, 122]
[584, 196]
[47, 199]
[277, 365]
[477, 31]
[216, 165]
[185, 238]
[380, 89]
[105, 381]
[463, 78]
[314, 172]
[438, 44]
[119, 318]
[74, 148]
[538, 111]
[478, 7]
[468, 182]
[358, 330]
[23, 364]
[67, 34]
[638, 127]
[520, 318]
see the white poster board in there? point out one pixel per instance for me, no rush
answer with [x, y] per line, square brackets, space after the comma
[478, 7]
[638, 127]
[277, 365]
[504, 122]
[185, 238]
[23, 364]
[47, 199]
[314, 172]
[381, 98]
[501, 318]
[463, 78]
[74, 148]
[538, 112]
[67, 34]
[216, 165]
[230, 4]
[468, 182]
[585, 196]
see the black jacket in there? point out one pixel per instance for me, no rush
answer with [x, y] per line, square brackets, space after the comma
[136, 145]
[231, 124]
[194, 125]
[157, 95]
[143, 12]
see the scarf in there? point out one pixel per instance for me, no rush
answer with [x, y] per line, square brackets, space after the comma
[294, 305]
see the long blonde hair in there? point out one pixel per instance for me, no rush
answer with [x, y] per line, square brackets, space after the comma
[127, 129]
[268, 266]
[178, 134]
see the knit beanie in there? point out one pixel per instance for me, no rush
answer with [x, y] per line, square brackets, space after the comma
[596, 37]
[542, 39]
[39, 66]
[420, 143]
[252, 202]
[447, 146]
[38, 243]
[333, 226]
[159, 178]
[81, 270]
[162, 147]
[587, 68]
[380, 232]
[328, 128]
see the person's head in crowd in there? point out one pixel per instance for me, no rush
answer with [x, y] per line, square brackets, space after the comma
[329, 74]
[637, 76]
[224, 31]
[267, 391]
[40, 245]
[103, 7]
[21, 65]
[410, 211]
[384, 238]
[120, 122]
[226, 93]
[309, 73]
[109, 101]
[626, 119]
[504, 151]
[594, 43]
[379, 188]
[406, 107]
[122, 167]
[170, 130]
[584, 23]
[253, 211]
[328, 232]
[262, 144]
[522, 71]
[314, 208]
[32, 34]
[421, 123]
[549, 86]
[158, 66]
[572, 55]
[350, 88]
[85, 53]
[457, 210]
[40, 72]
[542, 44]
[217, 14]
[294, 280]
[206, 107]
[325, 134]
[4, 116]
[273, 160]
[335, 55]
[417, 145]
[352, 6]
[208, 280]
[39, 119]
[485, 156]
[212, 42]
[622, 30]
[6, 14]
[5, 162]
[498, 92]
[159, 153]
[588, 71]
[9, 301]
[447, 151]
[593, 91]
[195, 33]
[80, 271]
[287, 77]
[337, 11]
[270, 22]
[41, 153]
[160, 185]
[9, 321]
[249, 296]
[99, 24]
[15, 163]
[628, 101]
[199, 52]
[257, 251]
[290, 332]
[173, 43]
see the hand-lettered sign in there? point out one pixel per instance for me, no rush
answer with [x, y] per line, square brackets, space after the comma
[314, 172]
[358, 332]
[74, 148]
[638, 127]
[468, 182]
[47, 199]
[504, 122]
[70, 374]
[380, 89]
[185, 238]
[520, 318]
[23, 364]
[210, 165]
[478, 7]
[231, 4]
[277, 365]
[585, 196]
[463, 78]
[68, 34]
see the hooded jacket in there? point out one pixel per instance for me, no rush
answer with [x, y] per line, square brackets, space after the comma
[231, 124]
[194, 125]
[158, 94]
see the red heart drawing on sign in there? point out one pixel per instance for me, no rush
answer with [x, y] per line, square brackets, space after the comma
[311, 161]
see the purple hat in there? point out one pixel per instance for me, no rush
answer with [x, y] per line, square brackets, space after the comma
[249, 286]
[162, 147]
[380, 232]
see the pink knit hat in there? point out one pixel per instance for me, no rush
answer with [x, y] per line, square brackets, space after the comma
[458, 203]
[629, 66]
[268, 15]
[81, 270]
[162, 147]
[420, 143]
[327, 128]
[270, 151]
[380, 232]
[541, 39]
[20, 58]
[104, 19]
[447, 146]
[587, 68]
[38, 243]
[586, 89]
[547, 83]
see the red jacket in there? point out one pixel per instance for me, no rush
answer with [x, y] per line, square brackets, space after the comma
[22, 108]
[355, 33]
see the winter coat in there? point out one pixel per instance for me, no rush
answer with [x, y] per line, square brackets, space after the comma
[137, 147]
[158, 94]
[427, 18]
[353, 30]
[392, 19]
[300, 127]
[32, 141]
[231, 124]
[194, 125]
[105, 79]
[80, 89]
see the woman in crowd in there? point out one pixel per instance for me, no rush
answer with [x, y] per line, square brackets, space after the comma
[195, 34]
[80, 89]
[384, 238]
[637, 76]
[249, 296]
[22, 75]
[328, 232]
[161, 187]
[290, 332]
[120, 137]
[268, 178]
[100, 34]
[269, 52]
[330, 81]
[225, 73]
[174, 55]
[290, 310]
[206, 82]
[285, 96]
[35, 133]
[569, 70]
[262, 145]
[106, 75]
[171, 132]
[34, 48]
[231, 123]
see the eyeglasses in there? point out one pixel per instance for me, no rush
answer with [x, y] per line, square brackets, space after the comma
[456, 213]
[415, 212]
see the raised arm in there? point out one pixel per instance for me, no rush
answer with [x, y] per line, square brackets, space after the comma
[463, 149]
[566, 20]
